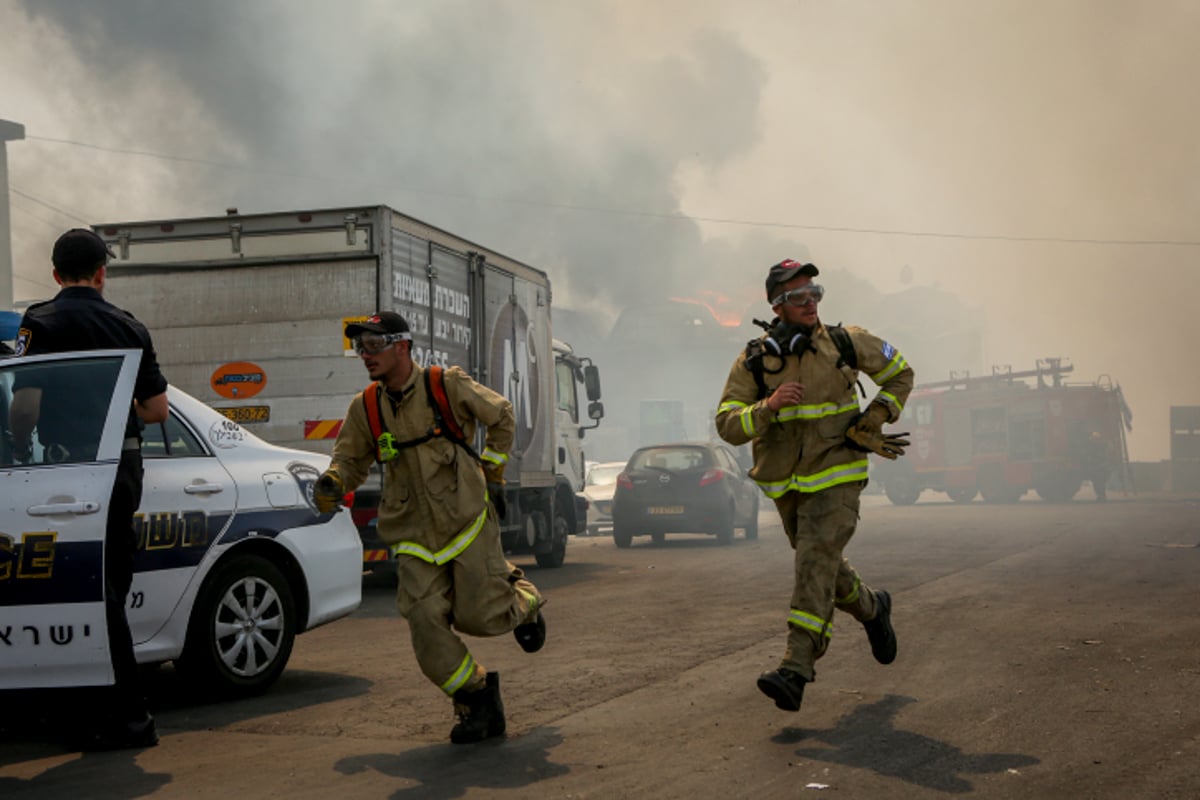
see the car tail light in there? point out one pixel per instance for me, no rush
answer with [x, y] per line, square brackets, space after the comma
[711, 476]
[363, 516]
[624, 481]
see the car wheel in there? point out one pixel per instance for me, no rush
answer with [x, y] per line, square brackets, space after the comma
[659, 537]
[752, 522]
[242, 628]
[558, 549]
[622, 538]
[725, 529]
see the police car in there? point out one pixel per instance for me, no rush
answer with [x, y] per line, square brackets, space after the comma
[233, 558]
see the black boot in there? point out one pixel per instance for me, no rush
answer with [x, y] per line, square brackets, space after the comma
[784, 686]
[880, 632]
[480, 713]
[531, 635]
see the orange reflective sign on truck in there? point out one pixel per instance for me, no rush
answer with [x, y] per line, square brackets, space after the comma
[238, 380]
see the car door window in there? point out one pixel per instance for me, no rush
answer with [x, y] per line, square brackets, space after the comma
[171, 439]
[68, 399]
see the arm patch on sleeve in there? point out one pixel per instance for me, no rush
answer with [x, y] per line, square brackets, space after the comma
[24, 336]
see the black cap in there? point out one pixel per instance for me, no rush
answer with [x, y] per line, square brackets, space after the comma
[79, 251]
[784, 271]
[380, 322]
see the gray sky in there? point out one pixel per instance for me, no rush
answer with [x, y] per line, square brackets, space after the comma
[1036, 160]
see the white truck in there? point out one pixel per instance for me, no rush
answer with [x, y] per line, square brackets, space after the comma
[247, 313]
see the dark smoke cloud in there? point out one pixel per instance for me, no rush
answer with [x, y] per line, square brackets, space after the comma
[574, 135]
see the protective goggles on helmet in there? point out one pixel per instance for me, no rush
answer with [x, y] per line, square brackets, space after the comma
[803, 296]
[373, 343]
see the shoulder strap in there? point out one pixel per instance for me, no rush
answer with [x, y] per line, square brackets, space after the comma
[435, 390]
[847, 355]
[754, 362]
[845, 345]
[443, 415]
[373, 405]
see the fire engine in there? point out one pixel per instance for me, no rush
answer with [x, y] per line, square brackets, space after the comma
[1001, 435]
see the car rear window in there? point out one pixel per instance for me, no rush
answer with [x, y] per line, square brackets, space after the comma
[671, 459]
[602, 476]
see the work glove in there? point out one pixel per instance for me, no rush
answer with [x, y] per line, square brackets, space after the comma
[493, 473]
[328, 492]
[496, 495]
[866, 434]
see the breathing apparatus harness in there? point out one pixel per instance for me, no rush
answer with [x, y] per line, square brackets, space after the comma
[783, 339]
[444, 423]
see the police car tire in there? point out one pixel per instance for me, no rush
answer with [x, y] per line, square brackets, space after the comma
[202, 660]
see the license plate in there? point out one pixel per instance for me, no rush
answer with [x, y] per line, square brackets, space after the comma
[665, 509]
[244, 414]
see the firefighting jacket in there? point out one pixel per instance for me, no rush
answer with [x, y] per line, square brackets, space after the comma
[803, 447]
[434, 499]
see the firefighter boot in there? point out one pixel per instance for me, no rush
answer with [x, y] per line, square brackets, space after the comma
[784, 686]
[531, 635]
[880, 632]
[480, 713]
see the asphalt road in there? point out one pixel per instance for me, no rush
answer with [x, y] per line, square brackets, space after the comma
[1046, 651]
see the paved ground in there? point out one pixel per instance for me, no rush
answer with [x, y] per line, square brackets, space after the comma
[1046, 651]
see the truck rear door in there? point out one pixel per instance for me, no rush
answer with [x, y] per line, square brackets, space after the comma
[52, 518]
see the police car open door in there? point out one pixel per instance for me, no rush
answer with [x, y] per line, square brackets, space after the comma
[53, 505]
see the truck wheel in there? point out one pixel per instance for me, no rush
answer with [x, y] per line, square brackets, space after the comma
[558, 547]
[242, 628]
[994, 489]
[962, 494]
[901, 488]
[622, 538]
[1058, 488]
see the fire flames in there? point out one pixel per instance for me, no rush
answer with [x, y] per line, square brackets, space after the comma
[725, 310]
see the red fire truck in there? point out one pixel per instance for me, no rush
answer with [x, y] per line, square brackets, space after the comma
[1003, 434]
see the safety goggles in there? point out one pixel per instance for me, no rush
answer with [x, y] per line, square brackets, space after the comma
[374, 343]
[803, 296]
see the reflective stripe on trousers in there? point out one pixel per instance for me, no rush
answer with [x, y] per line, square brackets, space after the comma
[447, 553]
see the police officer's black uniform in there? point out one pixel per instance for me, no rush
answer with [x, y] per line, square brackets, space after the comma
[79, 318]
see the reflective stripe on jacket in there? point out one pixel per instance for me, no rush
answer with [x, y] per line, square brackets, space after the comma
[803, 447]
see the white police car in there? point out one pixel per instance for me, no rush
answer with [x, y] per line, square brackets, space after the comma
[233, 559]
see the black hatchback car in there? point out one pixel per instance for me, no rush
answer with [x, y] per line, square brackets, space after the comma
[685, 487]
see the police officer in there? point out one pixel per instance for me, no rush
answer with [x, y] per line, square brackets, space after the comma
[438, 514]
[792, 394]
[79, 318]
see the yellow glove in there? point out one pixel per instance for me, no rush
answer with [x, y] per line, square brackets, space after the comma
[866, 434]
[493, 473]
[328, 492]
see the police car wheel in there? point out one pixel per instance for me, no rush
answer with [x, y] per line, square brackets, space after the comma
[242, 628]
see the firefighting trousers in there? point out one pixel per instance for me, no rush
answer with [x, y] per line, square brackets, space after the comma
[479, 593]
[819, 526]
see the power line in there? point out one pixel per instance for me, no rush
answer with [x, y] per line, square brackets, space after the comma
[41, 202]
[675, 216]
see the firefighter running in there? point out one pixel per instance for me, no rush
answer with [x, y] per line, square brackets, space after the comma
[438, 514]
[792, 393]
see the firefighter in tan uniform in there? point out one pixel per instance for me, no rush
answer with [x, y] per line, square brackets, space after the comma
[792, 394]
[438, 513]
